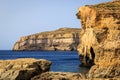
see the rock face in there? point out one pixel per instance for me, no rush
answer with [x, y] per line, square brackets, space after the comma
[22, 69]
[59, 76]
[100, 39]
[62, 39]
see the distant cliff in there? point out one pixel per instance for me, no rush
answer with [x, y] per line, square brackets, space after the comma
[61, 39]
[100, 39]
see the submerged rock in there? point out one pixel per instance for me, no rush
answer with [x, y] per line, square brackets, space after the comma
[61, 39]
[100, 39]
[22, 69]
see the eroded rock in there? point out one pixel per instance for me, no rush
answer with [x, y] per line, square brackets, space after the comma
[59, 76]
[61, 39]
[100, 39]
[22, 69]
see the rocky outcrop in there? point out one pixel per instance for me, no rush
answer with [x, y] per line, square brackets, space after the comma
[59, 76]
[61, 39]
[66, 76]
[32, 69]
[22, 69]
[100, 39]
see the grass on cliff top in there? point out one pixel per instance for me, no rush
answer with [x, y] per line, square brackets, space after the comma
[114, 6]
[60, 31]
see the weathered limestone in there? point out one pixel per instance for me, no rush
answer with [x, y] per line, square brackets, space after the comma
[59, 76]
[100, 39]
[22, 69]
[66, 76]
[62, 39]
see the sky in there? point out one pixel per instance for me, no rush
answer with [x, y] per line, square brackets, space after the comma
[24, 17]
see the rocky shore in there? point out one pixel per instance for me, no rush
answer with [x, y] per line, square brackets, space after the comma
[59, 76]
[32, 69]
[99, 48]
[65, 39]
[22, 69]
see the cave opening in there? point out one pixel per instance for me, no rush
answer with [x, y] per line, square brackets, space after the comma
[92, 53]
[55, 49]
[72, 49]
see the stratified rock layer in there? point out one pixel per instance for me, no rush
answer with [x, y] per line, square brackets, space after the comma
[100, 39]
[22, 69]
[62, 39]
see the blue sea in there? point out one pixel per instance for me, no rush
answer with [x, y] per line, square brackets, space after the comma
[63, 61]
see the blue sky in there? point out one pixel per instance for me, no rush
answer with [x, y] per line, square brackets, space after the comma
[24, 17]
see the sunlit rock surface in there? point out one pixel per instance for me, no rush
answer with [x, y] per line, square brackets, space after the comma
[22, 69]
[59, 76]
[61, 39]
[100, 39]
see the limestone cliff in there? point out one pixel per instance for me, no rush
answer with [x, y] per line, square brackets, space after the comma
[61, 39]
[100, 39]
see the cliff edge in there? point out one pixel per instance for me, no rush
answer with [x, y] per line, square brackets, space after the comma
[61, 39]
[100, 39]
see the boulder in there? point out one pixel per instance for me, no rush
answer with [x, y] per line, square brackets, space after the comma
[22, 69]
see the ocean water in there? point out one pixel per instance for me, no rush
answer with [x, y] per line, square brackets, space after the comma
[65, 61]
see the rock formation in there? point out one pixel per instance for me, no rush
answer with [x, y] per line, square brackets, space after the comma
[59, 76]
[100, 39]
[22, 69]
[32, 69]
[61, 39]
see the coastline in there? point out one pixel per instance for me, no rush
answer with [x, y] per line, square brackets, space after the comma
[98, 46]
[66, 61]
[27, 69]
[15, 66]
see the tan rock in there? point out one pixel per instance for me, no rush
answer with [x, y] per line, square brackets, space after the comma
[59, 76]
[66, 76]
[61, 39]
[100, 39]
[22, 69]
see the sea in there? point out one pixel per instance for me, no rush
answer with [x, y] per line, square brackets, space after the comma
[62, 61]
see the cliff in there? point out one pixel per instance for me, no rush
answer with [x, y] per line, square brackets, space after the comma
[61, 39]
[100, 39]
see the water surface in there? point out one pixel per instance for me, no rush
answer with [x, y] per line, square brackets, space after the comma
[65, 61]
